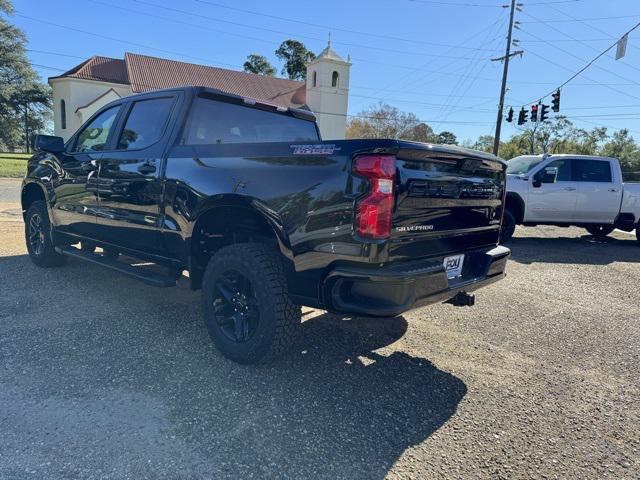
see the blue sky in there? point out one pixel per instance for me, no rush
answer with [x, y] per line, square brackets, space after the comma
[430, 57]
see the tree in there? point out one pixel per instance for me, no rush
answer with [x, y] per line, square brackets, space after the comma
[385, 121]
[447, 138]
[259, 65]
[24, 100]
[623, 147]
[295, 56]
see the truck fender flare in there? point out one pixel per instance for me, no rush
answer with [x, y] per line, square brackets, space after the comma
[514, 198]
[29, 188]
[254, 206]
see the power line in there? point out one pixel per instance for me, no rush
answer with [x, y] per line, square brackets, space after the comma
[455, 4]
[582, 19]
[470, 79]
[113, 39]
[374, 117]
[428, 94]
[596, 83]
[589, 64]
[255, 27]
[417, 102]
[595, 107]
[530, 4]
[410, 74]
[443, 73]
[572, 38]
[561, 40]
[620, 116]
[55, 53]
[609, 36]
[583, 60]
[377, 34]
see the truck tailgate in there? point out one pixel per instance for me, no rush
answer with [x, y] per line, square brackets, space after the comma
[448, 201]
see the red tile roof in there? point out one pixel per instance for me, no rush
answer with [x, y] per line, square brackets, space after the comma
[146, 73]
[103, 69]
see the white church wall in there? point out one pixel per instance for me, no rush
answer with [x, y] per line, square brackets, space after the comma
[329, 102]
[78, 93]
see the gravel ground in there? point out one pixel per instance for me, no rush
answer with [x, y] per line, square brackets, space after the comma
[102, 377]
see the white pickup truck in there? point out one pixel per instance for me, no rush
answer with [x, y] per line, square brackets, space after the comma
[565, 190]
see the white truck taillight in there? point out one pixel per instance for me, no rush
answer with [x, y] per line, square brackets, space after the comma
[374, 212]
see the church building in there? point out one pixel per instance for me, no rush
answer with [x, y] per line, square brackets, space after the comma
[81, 91]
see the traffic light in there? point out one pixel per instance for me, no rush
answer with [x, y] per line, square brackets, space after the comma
[544, 113]
[522, 116]
[510, 115]
[534, 113]
[555, 102]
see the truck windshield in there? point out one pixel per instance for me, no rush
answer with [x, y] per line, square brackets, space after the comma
[215, 122]
[523, 164]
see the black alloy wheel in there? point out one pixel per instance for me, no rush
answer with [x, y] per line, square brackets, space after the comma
[235, 306]
[36, 234]
[249, 314]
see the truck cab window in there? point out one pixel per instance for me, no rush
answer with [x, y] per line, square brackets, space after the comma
[564, 169]
[214, 122]
[592, 171]
[145, 123]
[93, 138]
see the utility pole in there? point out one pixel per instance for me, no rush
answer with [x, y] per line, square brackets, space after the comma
[505, 72]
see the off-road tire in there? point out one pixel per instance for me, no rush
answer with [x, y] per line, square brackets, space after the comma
[44, 255]
[599, 230]
[278, 319]
[508, 226]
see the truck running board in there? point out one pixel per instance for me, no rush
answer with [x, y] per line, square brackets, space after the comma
[147, 276]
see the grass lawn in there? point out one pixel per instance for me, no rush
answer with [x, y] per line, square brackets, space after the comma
[13, 165]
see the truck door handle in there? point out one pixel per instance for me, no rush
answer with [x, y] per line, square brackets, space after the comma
[146, 168]
[569, 189]
[613, 189]
[89, 166]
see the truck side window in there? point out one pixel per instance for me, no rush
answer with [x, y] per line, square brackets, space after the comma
[564, 169]
[145, 123]
[215, 122]
[592, 171]
[93, 138]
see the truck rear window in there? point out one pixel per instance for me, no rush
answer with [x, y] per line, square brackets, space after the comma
[216, 122]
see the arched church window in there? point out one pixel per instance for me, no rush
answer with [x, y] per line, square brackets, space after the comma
[334, 79]
[315, 79]
[63, 115]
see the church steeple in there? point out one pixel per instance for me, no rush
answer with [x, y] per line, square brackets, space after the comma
[328, 91]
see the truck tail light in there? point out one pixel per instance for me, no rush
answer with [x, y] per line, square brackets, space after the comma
[374, 212]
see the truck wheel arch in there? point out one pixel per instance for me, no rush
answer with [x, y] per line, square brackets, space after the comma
[32, 192]
[224, 224]
[515, 204]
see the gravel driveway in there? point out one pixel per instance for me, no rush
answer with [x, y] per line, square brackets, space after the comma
[102, 377]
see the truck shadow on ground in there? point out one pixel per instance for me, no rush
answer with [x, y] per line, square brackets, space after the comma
[585, 249]
[141, 366]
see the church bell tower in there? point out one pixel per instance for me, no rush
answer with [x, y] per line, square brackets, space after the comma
[328, 92]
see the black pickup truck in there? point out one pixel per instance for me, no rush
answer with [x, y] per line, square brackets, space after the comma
[245, 199]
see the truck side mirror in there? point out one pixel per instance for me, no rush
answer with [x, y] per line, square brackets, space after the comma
[550, 175]
[546, 175]
[48, 143]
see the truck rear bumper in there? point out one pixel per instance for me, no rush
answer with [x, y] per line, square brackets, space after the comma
[390, 291]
